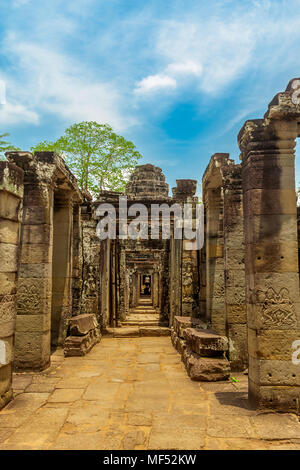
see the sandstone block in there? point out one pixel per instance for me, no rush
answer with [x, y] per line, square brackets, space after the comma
[8, 257]
[154, 331]
[206, 369]
[9, 206]
[205, 342]
[37, 234]
[181, 323]
[284, 398]
[81, 345]
[272, 344]
[7, 315]
[32, 350]
[7, 283]
[82, 324]
[36, 253]
[238, 350]
[274, 372]
[9, 231]
[31, 323]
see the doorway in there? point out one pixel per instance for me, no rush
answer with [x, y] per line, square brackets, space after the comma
[145, 286]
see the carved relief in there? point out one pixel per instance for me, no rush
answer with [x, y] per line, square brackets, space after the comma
[90, 283]
[187, 283]
[28, 297]
[277, 309]
[7, 309]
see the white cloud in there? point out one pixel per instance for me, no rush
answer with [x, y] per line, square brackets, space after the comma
[51, 82]
[154, 83]
[14, 113]
[215, 52]
[185, 68]
[212, 51]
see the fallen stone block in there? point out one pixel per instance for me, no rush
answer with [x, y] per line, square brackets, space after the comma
[82, 324]
[205, 342]
[178, 343]
[174, 337]
[181, 345]
[81, 345]
[206, 369]
[181, 323]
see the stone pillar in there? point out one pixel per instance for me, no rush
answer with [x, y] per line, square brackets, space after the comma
[202, 275]
[61, 309]
[11, 194]
[234, 254]
[175, 279]
[272, 282]
[127, 282]
[32, 341]
[189, 280]
[104, 284]
[90, 292]
[215, 289]
[155, 289]
[77, 261]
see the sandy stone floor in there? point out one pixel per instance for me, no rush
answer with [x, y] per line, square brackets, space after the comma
[133, 393]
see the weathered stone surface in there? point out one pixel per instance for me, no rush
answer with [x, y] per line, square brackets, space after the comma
[154, 331]
[205, 342]
[81, 345]
[11, 194]
[271, 251]
[32, 350]
[181, 323]
[82, 324]
[207, 369]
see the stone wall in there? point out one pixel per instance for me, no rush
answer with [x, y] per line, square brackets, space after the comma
[272, 272]
[44, 291]
[11, 195]
[223, 287]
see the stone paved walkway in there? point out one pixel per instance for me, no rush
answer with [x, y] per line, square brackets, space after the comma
[134, 393]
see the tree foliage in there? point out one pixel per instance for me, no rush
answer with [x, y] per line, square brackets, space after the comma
[98, 157]
[5, 146]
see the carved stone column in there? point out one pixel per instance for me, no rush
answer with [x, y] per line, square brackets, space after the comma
[272, 283]
[215, 289]
[62, 266]
[234, 254]
[32, 340]
[175, 278]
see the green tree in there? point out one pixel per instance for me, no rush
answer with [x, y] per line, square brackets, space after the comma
[98, 157]
[5, 146]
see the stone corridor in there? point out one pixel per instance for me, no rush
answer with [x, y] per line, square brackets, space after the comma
[134, 393]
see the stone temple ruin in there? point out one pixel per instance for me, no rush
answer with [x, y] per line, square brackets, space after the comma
[232, 305]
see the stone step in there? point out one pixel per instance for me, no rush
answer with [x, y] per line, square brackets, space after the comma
[141, 323]
[143, 312]
[143, 308]
[134, 332]
[143, 316]
[144, 320]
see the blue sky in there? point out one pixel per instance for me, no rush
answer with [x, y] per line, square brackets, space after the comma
[177, 77]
